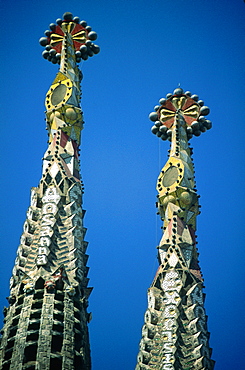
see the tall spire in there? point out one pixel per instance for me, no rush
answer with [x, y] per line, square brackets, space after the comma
[46, 321]
[174, 335]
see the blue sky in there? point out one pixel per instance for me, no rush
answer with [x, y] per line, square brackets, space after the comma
[147, 49]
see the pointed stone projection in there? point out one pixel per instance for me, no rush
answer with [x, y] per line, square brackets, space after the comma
[46, 322]
[175, 335]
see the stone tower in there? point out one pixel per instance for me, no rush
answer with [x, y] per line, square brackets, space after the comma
[46, 323]
[174, 335]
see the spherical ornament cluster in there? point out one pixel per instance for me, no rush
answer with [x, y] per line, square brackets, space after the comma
[81, 33]
[192, 109]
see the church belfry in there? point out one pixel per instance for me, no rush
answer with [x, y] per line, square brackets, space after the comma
[174, 334]
[46, 322]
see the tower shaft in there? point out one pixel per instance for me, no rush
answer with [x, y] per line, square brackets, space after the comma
[174, 335]
[46, 323]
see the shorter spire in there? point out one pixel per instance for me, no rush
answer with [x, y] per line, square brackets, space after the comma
[174, 334]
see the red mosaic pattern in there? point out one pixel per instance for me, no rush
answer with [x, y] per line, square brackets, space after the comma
[79, 36]
[189, 108]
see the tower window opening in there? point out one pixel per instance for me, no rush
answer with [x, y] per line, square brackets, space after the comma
[58, 327]
[15, 321]
[78, 362]
[78, 336]
[59, 296]
[78, 342]
[77, 305]
[58, 305]
[13, 331]
[39, 287]
[37, 304]
[10, 343]
[34, 324]
[38, 294]
[77, 325]
[6, 365]
[56, 345]
[55, 363]
[32, 335]
[59, 316]
[30, 353]
[36, 314]
[77, 315]
[20, 300]
[8, 353]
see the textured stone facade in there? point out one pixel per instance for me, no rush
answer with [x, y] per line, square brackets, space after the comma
[174, 335]
[46, 323]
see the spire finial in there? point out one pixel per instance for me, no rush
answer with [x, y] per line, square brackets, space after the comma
[81, 34]
[67, 43]
[192, 109]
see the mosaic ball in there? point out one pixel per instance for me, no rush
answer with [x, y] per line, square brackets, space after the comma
[168, 199]
[186, 197]
[71, 113]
